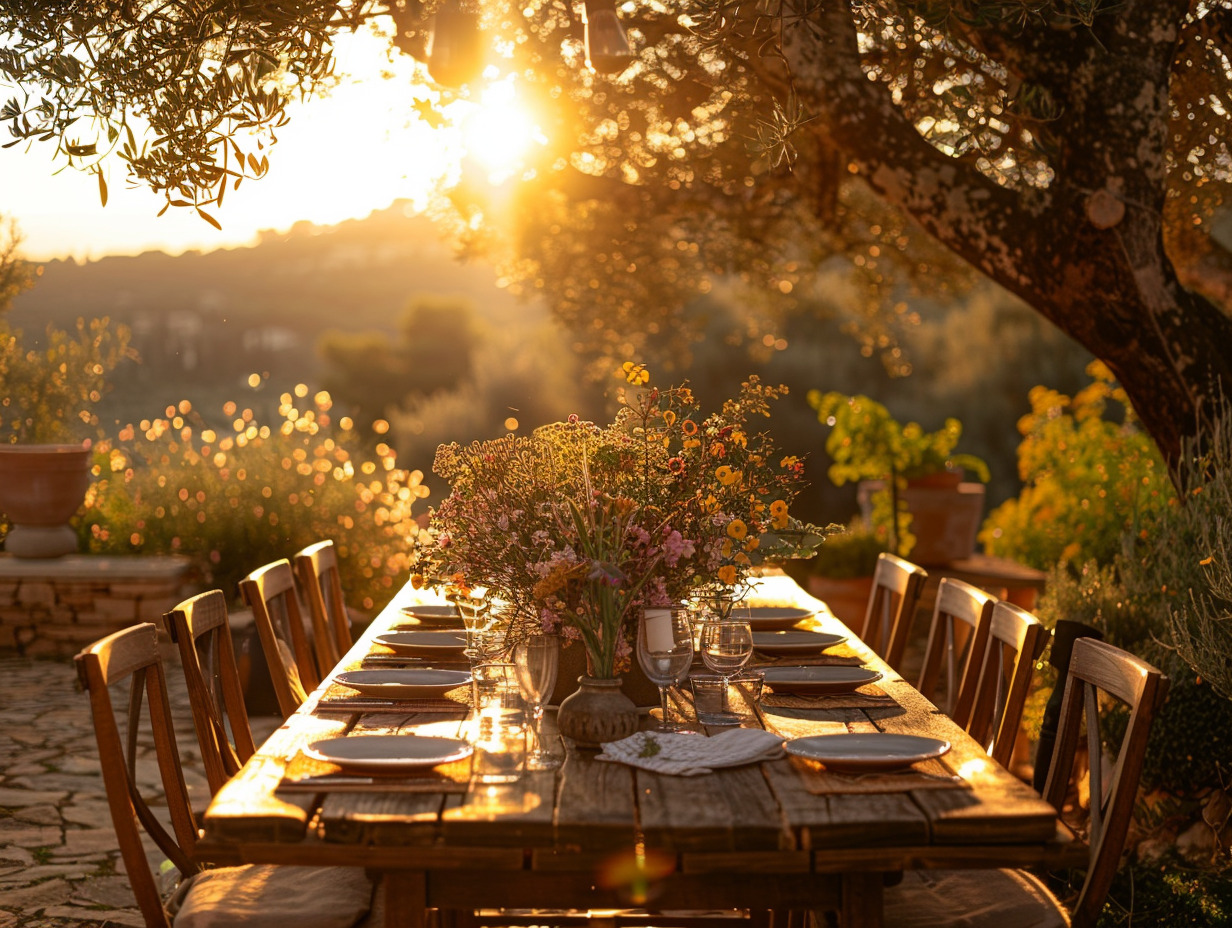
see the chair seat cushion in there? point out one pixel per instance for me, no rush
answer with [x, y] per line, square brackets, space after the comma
[972, 899]
[263, 896]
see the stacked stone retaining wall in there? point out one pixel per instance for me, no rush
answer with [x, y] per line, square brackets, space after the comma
[55, 607]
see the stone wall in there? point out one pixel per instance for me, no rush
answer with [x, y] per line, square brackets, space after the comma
[55, 607]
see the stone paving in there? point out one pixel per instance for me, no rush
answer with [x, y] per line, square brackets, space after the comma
[60, 864]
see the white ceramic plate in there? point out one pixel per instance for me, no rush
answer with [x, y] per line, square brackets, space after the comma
[774, 618]
[860, 752]
[403, 684]
[814, 681]
[436, 615]
[424, 644]
[794, 642]
[388, 753]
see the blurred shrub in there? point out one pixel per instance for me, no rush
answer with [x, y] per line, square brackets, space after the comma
[237, 497]
[1090, 477]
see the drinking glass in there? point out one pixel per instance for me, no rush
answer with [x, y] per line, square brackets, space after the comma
[474, 612]
[665, 651]
[535, 661]
[726, 647]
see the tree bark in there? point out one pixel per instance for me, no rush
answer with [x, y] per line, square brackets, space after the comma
[1087, 250]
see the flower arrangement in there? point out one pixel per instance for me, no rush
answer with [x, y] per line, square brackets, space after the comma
[577, 525]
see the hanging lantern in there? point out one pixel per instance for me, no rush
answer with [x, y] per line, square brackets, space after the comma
[456, 51]
[607, 46]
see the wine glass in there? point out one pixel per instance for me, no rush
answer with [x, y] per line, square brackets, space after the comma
[665, 651]
[535, 661]
[726, 647]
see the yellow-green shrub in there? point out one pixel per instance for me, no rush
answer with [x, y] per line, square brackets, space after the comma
[235, 497]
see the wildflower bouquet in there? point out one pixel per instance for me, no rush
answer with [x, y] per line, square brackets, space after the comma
[577, 525]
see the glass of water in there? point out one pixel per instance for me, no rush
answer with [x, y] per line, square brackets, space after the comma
[535, 660]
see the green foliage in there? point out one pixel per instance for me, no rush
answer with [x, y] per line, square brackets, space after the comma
[96, 74]
[249, 493]
[848, 554]
[15, 274]
[51, 391]
[1201, 622]
[867, 443]
[1090, 477]
[1168, 892]
[371, 375]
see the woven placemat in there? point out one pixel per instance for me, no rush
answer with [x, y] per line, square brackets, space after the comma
[841, 658]
[928, 774]
[869, 696]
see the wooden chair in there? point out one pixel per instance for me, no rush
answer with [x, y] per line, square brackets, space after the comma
[897, 585]
[959, 630]
[270, 592]
[317, 569]
[200, 628]
[255, 896]
[1015, 641]
[994, 898]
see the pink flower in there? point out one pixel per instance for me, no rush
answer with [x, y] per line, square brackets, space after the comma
[676, 547]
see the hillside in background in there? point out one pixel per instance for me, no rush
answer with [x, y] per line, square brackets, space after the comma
[202, 322]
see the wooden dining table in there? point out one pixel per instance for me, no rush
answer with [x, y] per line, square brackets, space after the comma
[780, 835]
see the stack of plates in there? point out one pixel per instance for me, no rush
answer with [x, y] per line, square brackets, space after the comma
[794, 642]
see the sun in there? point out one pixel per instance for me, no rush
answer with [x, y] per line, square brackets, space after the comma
[500, 134]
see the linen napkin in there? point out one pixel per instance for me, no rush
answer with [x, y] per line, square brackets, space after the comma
[692, 755]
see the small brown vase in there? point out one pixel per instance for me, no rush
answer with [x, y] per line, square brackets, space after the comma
[596, 713]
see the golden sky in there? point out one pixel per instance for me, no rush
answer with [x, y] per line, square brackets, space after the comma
[341, 156]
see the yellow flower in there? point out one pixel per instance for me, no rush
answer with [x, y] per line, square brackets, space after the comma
[727, 574]
[723, 475]
[710, 504]
[737, 529]
[778, 514]
[728, 548]
[692, 443]
[669, 417]
[636, 373]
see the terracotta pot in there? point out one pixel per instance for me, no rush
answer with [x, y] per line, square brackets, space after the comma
[596, 713]
[41, 488]
[944, 521]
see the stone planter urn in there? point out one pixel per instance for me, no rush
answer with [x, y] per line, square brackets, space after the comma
[596, 713]
[41, 488]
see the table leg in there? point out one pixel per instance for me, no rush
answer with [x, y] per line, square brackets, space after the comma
[862, 900]
[406, 898]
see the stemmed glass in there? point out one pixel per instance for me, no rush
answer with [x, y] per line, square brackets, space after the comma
[665, 651]
[474, 612]
[726, 646]
[535, 661]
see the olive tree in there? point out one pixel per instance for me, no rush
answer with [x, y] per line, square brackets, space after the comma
[1074, 151]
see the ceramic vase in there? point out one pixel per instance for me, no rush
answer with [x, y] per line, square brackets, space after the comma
[597, 712]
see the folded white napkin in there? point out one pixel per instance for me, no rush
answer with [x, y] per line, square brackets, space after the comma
[690, 755]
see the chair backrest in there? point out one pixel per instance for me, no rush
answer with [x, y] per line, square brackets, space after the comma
[1096, 668]
[200, 628]
[317, 568]
[1015, 641]
[897, 584]
[269, 592]
[132, 655]
[959, 629]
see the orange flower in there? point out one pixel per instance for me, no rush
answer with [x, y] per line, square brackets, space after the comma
[727, 574]
[669, 417]
[737, 529]
[689, 427]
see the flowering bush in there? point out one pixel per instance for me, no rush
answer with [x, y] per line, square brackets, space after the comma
[576, 525]
[236, 498]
